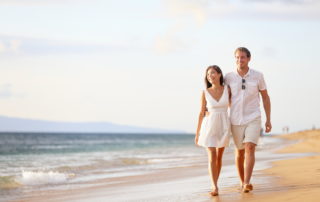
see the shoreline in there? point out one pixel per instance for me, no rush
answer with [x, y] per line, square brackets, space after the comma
[183, 183]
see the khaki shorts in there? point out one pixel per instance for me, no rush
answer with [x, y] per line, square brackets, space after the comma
[249, 132]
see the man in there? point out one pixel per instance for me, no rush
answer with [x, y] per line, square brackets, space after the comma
[245, 85]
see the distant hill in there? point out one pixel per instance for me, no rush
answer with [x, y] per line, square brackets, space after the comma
[11, 124]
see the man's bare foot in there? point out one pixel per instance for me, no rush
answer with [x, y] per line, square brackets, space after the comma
[215, 192]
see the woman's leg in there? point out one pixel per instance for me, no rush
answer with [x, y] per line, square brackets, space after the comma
[213, 170]
[219, 152]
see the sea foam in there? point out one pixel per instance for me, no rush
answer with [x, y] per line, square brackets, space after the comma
[42, 177]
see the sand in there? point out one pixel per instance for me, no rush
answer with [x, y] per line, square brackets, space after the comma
[297, 179]
[294, 179]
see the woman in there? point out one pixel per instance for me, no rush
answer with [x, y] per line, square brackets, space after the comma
[214, 126]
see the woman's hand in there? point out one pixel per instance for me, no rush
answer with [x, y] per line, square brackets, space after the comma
[196, 138]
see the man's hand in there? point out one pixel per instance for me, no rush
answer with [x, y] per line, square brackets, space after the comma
[268, 126]
[207, 113]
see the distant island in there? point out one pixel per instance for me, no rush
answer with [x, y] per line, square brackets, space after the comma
[12, 124]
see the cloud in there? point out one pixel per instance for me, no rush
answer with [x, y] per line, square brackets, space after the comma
[17, 45]
[196, 9]
[194, 14]
[269, 10]
[10, 46]
[33, 2]
[282, 10]
[5, 91]
[2, 47]
[183, 12]
[203, 10]
[168, 43]
[282, 1]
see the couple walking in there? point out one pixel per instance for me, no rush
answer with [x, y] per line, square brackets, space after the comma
[239, 90]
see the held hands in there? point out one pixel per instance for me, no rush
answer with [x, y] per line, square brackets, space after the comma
[268, 126]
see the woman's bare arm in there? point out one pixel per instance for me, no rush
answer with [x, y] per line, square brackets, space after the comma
[201, 115]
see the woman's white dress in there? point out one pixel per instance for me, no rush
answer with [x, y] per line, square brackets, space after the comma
[215, 128]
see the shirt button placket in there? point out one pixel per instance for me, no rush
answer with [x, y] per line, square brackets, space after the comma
[243, 100]
[241, 108]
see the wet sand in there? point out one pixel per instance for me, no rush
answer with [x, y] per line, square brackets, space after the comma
[294, 176]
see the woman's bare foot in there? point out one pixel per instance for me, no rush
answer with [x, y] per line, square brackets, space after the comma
[247, 187]
[215, 192]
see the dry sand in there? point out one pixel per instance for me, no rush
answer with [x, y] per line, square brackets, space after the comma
[297, 179]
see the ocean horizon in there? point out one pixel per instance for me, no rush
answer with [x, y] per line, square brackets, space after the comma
[17, 125]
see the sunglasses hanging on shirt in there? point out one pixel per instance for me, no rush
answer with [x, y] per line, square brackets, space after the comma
[243, 82]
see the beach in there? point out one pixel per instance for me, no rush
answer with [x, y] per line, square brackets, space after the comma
[297, 179]
[287, 168]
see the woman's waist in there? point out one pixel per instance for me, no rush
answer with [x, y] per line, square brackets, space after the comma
[218, 109]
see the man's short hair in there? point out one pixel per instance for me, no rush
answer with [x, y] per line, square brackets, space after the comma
[243, 49]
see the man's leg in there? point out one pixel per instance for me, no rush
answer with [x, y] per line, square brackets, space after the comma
[239, 158]
[249, 161]
[238, 136]
[252, 135]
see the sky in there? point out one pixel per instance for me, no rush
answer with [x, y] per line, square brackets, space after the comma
[142, 62]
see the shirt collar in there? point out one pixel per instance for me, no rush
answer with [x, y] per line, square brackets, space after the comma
[246, 75]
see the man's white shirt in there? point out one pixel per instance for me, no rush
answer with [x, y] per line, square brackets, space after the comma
[245, 103]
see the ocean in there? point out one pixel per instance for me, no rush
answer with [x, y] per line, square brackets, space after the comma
[40, 161]
[35, 162]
